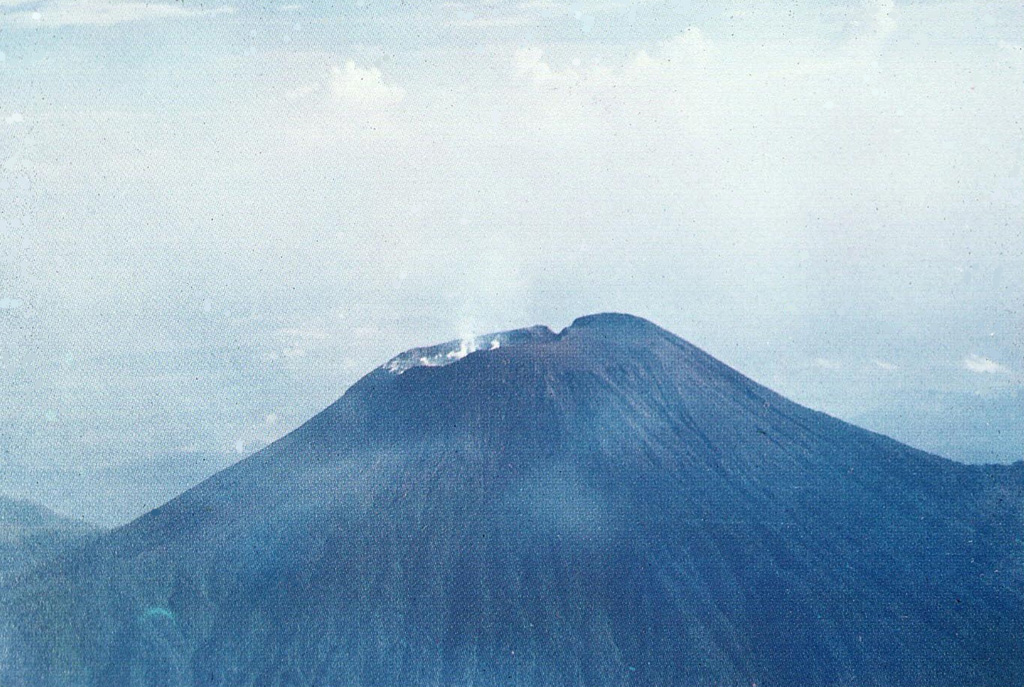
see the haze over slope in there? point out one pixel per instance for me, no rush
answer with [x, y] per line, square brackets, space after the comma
[603, 506]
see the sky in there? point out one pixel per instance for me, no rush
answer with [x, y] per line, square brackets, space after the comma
[215, 217]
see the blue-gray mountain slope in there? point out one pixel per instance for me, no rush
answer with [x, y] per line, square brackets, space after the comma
[604, 506]
[31, 534]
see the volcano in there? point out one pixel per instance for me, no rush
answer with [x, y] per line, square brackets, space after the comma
[604, 506]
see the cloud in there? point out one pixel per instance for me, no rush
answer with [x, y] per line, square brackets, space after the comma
[100, 12]
[301, 92]
[884, 23]
[690, 46]
[668, 84]
[977, 363]
[885, 365]
[9, 303]
[529, 64]
[353, 84]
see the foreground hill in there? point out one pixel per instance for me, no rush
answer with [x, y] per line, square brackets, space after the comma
[31, 534]
[604, 506]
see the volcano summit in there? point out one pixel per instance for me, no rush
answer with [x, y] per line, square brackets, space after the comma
[605, 506]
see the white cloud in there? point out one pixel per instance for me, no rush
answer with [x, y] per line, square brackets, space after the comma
[101, 12]
[303, 91]
[9, 303]
[14, 118]
[982, 365]
[690, 46]
[529, 63]
[356, 85]
[885, 365]
[884, 23]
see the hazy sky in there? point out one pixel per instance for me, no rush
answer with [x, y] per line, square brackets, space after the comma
[214, 217]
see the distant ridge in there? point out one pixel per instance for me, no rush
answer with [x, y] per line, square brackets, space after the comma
[604, 506]
[31, 534]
